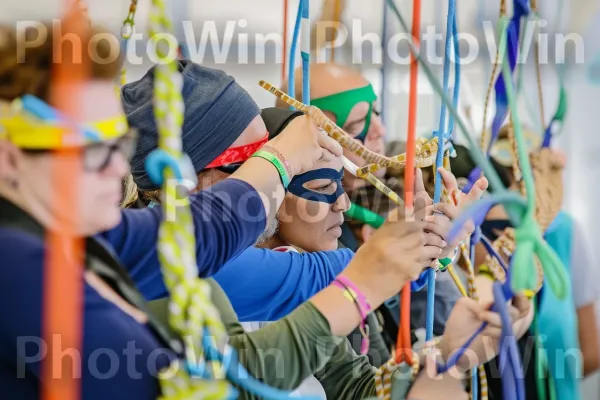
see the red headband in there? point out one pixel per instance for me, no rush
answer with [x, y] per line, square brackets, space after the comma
[235, 155]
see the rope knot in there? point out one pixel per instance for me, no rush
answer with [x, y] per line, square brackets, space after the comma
[529, 232]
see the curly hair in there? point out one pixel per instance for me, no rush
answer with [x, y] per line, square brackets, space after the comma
[27, 69]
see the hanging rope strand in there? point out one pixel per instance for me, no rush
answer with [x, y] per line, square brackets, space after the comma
[538, 70]
[126, 32]
[488, 93]
[285, 39]
[191, 314]
[403, 344]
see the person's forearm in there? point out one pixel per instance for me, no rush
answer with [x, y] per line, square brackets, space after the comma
[281, 354]
[342, 314]
[265, 179]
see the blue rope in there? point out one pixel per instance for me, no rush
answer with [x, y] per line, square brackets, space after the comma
[472, 245]
[521, 9]
[305, 54]
[292, 64]
[451, 131]
[510, 359]
[237, 374]
[384, 70]
[442, 135]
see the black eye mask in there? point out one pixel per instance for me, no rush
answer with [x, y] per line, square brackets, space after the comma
[296, 186]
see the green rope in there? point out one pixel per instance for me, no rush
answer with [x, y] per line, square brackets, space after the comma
[528, 234]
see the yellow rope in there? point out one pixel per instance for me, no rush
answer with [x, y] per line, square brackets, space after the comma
[457, 281]
[190, 311]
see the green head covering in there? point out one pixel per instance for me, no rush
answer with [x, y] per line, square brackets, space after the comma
[340, 104]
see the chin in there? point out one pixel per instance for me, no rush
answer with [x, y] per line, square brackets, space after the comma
[328, 245]
[106, 220]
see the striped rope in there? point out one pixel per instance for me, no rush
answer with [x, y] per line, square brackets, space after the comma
[191, 314]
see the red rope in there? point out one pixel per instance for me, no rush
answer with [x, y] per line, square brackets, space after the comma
[403, 344]
[62, 313]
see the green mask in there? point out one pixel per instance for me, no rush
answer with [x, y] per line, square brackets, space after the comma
[340, 104]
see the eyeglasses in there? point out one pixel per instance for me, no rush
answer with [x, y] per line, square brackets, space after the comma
[97, 156]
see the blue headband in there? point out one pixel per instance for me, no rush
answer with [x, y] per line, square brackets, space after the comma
[296, 185]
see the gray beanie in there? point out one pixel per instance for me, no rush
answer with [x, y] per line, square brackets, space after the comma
[217, 110]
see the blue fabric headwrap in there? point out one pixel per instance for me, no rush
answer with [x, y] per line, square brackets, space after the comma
[217, 110]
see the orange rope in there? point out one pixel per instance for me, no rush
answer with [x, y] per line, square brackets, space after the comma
[403, 344]
[285, 40]
[62, 314]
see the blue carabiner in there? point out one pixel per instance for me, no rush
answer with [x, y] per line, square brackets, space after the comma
[183, 169]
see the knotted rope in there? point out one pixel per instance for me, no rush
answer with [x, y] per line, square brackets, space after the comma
[191, 313]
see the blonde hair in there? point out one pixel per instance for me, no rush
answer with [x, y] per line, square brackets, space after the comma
[130, 192]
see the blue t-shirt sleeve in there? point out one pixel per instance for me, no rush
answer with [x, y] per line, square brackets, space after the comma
[228, 217]
[266, 285]
[119, 356]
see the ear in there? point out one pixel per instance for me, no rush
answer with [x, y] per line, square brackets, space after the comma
[366, 231]
[9, 155]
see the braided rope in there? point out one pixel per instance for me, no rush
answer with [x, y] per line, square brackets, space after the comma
[190, 309]
[385, 373]
[425, 154]
[126, 32]
[332, 129]
[488, 94]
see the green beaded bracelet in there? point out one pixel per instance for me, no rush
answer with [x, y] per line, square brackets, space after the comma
[283, 174]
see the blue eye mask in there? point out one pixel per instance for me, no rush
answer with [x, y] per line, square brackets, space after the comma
[328, 195]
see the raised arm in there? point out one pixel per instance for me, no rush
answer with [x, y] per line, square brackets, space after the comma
[229, 216]
[266, 285]
[224, 227]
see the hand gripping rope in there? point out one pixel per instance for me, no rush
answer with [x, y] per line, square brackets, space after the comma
[527, 235]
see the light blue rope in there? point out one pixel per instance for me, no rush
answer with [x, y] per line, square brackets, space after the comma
[442, 135]
[451, 131]
[292, 65]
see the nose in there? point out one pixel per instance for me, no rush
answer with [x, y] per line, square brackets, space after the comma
[341, 204]
[376, 130]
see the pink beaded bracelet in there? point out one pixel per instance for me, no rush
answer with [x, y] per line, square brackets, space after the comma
[355, 295]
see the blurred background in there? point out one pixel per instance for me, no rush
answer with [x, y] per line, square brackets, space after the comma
[230, 35]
